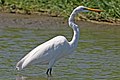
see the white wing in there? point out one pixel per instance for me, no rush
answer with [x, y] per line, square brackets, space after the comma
[44, 53]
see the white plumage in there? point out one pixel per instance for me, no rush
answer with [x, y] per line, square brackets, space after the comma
[56, 48]
[43, 54]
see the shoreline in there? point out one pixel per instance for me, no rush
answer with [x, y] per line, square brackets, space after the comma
[40, 21]
[99, 21]
[57, 8]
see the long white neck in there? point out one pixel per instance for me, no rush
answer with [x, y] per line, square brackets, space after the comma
[75, 39]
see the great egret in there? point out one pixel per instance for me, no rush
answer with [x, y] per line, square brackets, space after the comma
[56, 48]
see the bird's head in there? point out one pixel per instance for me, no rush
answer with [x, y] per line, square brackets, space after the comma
[85, 9]
[78, 10]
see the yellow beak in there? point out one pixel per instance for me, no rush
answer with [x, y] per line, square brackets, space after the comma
[95, 10]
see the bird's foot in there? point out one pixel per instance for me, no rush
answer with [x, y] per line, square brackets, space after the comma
[49, 72]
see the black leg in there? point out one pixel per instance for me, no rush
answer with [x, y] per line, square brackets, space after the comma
[49, 72]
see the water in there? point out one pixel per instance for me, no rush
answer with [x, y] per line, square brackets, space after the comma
[96, 58]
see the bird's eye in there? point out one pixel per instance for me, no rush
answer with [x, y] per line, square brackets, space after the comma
[84, 9]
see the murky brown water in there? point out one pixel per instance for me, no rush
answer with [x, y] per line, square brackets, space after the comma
[96, 58]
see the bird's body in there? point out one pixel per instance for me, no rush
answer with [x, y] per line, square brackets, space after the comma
[56, 48]
[51, 50]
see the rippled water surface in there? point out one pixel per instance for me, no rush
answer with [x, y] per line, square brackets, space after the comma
[96, 58]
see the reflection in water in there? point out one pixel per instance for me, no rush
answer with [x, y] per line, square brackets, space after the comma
[33, 78]
[21, 78]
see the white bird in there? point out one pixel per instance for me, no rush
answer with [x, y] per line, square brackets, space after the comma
[56, 48]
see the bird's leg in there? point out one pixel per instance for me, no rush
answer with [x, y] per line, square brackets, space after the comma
[49, 72]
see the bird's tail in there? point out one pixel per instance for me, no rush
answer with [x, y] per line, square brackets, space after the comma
[23, 62]
[19, 65]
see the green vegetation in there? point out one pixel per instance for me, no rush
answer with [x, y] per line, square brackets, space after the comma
[63, 7]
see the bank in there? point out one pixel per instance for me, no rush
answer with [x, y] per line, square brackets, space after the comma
[62, 8]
